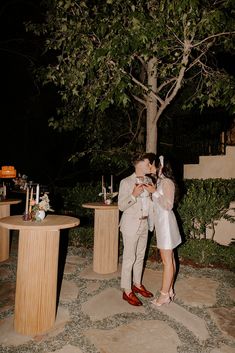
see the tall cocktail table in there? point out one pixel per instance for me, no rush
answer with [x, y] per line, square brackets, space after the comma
[105, 254]
[4, 233]
[36, 280]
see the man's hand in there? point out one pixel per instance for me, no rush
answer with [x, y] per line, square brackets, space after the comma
[138, 189]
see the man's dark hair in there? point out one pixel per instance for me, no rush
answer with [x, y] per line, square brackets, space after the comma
[142, 156]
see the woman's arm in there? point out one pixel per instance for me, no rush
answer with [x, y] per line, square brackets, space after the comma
[165, 197]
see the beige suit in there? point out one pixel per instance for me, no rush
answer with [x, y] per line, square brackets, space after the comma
[134, 230]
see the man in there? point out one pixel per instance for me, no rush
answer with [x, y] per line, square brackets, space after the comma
[137, 208]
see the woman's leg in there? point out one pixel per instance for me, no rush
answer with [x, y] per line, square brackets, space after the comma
[167, 257]
[167, 277]
[171, 290]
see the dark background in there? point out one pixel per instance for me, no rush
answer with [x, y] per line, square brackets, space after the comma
[26, 140]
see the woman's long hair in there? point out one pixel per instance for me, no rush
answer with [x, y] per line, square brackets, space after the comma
[167, 172]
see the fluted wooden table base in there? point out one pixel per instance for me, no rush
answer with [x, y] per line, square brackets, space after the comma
[105, 255]
[36, 280]
[35, 302]
[4, 244]
[5, 233]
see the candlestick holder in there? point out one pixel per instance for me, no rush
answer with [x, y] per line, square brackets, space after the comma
[108, 197]
[27, 217]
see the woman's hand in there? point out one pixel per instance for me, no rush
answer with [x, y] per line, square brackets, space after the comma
[150, 188]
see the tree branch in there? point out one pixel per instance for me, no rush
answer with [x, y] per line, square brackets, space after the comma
[212, 36]
[145, 88]
[199, 57]
[177, 84]
[166, 83]
[142, 61]
[139, 99]
[138, 126]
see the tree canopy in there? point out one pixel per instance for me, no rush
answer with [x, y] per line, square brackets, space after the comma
[109, 55]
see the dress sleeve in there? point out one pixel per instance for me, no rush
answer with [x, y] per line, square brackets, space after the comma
[165, 197]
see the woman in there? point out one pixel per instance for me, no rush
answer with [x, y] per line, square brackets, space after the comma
[167, 231]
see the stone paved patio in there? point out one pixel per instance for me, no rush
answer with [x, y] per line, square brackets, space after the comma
[93, 318]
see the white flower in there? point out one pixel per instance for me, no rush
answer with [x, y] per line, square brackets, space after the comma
[44, 204]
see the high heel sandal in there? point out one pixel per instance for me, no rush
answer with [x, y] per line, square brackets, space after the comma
[171, 294]
[160, 300]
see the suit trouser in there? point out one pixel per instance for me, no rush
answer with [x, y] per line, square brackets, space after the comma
[133, 255]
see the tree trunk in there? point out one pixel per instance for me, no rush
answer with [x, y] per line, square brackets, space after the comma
[151, 107]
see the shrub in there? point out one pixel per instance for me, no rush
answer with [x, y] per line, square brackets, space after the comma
[73, 198]
[81, 237]
[207, 253]
[205, 202]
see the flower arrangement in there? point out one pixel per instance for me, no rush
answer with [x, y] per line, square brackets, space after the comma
[38, 211]
[21, 181]
[108, 196]
[43, 205]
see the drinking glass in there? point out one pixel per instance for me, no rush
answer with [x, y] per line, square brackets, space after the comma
[139, 180]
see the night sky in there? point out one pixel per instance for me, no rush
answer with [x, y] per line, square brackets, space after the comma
[26, 140]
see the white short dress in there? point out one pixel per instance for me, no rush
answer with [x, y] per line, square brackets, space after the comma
[167, 231]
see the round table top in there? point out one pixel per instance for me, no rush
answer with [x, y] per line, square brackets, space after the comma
[9, 202]
[50, 222]
[100, 205]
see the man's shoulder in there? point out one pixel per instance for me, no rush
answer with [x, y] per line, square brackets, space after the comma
[129, 178]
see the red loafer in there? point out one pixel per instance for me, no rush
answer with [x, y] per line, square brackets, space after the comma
[132, 299]
[143, 291]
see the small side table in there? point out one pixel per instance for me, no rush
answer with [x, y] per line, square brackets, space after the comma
[5, 233]
[105, 254]
[36, 279]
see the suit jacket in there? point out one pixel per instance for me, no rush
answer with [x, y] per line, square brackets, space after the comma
[131, 207]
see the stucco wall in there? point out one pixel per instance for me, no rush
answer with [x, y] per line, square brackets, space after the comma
[213, 166]
[216, 167]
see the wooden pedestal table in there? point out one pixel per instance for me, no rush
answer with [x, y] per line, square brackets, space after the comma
[105, 254]
[36, 280]
[5, 233]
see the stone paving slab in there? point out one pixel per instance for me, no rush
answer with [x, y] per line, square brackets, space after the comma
[88, 273]
[152, 279]
[68, 349]
[192, 322]
[74, 259]
[224, 319]
[196, 291]
[148, 336]
[69, 291]
[107, 303]
[70, 268]
[8, 336]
